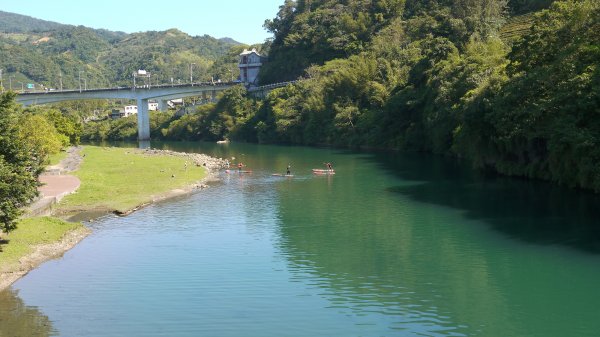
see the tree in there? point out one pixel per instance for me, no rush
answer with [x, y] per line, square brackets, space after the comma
[41, 135]
[20, 165]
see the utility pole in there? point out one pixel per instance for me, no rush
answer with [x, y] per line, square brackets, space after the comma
[60, 78]
[192, 73]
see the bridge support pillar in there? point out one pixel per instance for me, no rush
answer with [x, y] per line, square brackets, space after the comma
[162, 105]
[143, 120]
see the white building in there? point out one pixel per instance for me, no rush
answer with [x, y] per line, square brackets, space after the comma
[250, 63]
[130, 110]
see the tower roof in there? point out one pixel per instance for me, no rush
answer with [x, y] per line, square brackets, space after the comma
[248, 52]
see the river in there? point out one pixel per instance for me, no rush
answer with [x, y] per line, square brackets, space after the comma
[391, 245]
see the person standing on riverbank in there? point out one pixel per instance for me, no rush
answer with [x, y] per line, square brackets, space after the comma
[289, 169]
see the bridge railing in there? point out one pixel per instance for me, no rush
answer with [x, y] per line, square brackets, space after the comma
[169, 85]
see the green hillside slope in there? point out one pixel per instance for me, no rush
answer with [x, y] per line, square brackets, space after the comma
[48, 54]
[17, 23]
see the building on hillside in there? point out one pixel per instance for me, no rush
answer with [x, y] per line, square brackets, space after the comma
[250, 63]
[129, 110]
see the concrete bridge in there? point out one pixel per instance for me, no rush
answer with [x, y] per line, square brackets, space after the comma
[141, 94]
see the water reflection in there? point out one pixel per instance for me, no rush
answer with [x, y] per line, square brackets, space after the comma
[19, 320]
[531, 211]
[418, 250]
[359, 253]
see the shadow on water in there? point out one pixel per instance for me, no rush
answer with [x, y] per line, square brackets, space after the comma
[532, 211]
[17, 319]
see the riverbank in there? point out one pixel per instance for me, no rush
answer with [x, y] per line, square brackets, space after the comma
[36, 241]
[113, 180]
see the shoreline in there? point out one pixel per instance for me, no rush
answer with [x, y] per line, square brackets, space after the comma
[46, 252]
[41, 254]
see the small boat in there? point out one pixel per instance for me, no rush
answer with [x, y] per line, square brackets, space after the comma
[323, 171]
[225, 141]
[282, 175]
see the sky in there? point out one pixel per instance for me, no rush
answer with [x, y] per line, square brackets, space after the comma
[241, 20]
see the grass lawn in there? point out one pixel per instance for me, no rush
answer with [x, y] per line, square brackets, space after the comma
[31, 232]
[120, 179]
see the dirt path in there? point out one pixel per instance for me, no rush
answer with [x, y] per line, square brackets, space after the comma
[56, 183]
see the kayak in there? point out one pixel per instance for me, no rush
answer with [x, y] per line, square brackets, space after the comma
[282, 175]
[322, 171]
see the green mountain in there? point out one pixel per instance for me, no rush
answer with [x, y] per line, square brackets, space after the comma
[312, 32]
[17, 23]
[48, 54]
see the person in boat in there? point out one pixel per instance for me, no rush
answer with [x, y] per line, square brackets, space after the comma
[289, 170]
[240, 165]
[329, 166]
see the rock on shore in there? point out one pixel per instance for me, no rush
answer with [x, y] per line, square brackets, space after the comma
[198, 159]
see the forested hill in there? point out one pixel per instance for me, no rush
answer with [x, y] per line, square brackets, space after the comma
[311, 32]
[42, 52]
[17, 23]
[437, 76]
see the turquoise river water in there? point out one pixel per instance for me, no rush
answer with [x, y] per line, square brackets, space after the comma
[392, 245]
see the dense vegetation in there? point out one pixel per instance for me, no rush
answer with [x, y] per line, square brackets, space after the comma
[430, 76]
